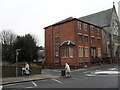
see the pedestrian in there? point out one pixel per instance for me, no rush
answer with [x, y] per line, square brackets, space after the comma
[27, 68]
[67, 70]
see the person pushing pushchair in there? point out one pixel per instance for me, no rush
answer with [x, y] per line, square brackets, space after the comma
[26, 69]
[67, 70]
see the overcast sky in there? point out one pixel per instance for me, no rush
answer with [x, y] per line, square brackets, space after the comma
[31, 16]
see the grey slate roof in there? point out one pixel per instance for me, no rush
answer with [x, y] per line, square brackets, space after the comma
[65, 20]
[100, 19]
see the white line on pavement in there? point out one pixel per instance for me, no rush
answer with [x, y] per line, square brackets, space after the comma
[34, 84]
[57, 80]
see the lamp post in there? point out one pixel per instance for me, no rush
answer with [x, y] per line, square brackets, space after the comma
[17, 61]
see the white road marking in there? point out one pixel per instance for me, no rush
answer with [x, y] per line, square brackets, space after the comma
[57, 80]
[28, 87]
[107, 72]
[1, 87]
[34, 84]
[112, 69]
[90, 74]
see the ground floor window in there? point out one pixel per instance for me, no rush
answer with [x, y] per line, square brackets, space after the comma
[80, 51]
[99, 52]
[86, 51]
[67, 52]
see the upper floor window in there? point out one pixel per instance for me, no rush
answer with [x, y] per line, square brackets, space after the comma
[98, 31]
[85, 27]
[57, 40]
[91, 28]
[92, 40]
[80, 38]
[86, 39]
[79, 25]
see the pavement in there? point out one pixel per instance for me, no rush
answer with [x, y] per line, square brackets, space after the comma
[11, 80]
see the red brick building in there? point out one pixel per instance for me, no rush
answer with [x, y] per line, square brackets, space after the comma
[73, 41]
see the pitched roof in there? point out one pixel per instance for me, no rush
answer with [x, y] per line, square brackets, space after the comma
[100, 19]
[65, 20]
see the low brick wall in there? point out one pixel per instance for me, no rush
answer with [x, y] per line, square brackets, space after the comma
[10, 71]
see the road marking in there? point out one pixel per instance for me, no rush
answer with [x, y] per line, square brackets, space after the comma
[112, 69]
[28, 87]
[57, 80]
[1, 87]
[34, 84]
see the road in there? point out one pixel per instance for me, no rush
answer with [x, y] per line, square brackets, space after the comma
[105, 76]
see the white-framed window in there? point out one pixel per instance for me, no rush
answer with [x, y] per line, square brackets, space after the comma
[71, 52]
[79, 25]
[86, 51]
[85, 27]
[80, 51]
[99, 52]
[92, 28]
[80, 38]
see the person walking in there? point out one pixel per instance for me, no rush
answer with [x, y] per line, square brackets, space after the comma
[67, 70]
[27, 68]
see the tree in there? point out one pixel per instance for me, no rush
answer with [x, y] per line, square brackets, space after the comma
[7, 38]
[27, 46]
